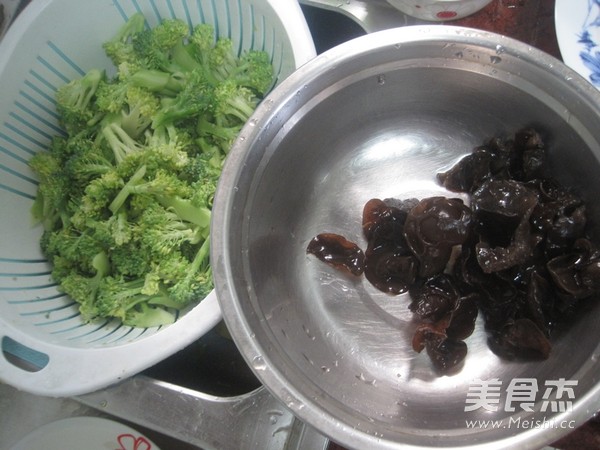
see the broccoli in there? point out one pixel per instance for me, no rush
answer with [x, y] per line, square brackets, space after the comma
[124, 300]
[86, 161]
[84, 289]
[195, 281]
[125, 193]
[120, 48]
[158, 81]
[132, 107]
[75, 102]
[154, 46]
[233, 103]
[222, 135]
[252, 70]
[54, 188]
[119, 141]
[195, 98]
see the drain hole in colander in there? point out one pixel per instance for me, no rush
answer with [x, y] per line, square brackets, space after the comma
[23, 357]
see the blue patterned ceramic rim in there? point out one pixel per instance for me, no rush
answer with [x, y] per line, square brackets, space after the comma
[588, 39]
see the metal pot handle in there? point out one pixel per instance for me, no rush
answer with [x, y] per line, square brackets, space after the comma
[252, 420]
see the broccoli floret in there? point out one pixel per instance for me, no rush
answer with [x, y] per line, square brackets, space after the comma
[117, 296]
[197, 279]
[222, 135]
[254, 71]
[222, 59]
[87, 161]
[74, 101]
[132, 106]
[131, 260]
[163, 232]
[54, 190]
[163, 186]
[141, 106]
[120, 48]
[119, 141]
[202, 40]
[75, 248]
[195, 98]
[84, 289]
[98, 194]
[111, 96]
[234, 104]
[154, 46]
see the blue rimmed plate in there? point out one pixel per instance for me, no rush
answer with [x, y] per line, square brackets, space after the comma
[578, 34]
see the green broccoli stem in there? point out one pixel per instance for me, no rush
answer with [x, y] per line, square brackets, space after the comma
[89, 85]
[101, 264]
[119, 141]
[186, 210]
[181, 57]
[125, 192]
[130, 294]
[240, 108]
[134, 25]
[200, 258]
[197, 279]
[227, 134]
[157, 81]
[148, 316]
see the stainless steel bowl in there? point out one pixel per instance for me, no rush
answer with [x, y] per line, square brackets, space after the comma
[378, 117]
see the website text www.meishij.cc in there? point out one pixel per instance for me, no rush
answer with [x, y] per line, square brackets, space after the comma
[524, 424]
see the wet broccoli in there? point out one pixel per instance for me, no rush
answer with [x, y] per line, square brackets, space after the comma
[125, 194]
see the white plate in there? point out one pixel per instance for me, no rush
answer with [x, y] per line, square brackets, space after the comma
[89, 433]
[578, 33]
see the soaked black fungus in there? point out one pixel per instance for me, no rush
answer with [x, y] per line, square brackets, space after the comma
[435, 298]
[521, 339]
[389, 264]
[518, 255]
[433, 227]
[446, 354]
[338, 252]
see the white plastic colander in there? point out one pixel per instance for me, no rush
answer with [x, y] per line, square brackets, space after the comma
[46, 348]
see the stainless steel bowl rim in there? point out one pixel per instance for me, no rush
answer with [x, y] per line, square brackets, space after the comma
[260, 357]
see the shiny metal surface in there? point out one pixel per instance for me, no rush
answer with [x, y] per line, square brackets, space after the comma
[371, 15]
[378, 117]
[252, 420]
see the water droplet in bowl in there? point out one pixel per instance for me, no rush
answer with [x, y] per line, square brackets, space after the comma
[274, 416]
[365, 380]
[259, 363]
[308, 333]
